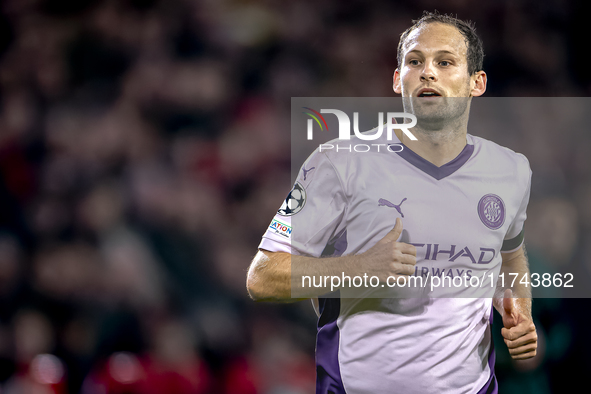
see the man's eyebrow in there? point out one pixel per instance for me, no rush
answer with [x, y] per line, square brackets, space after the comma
[439, 52]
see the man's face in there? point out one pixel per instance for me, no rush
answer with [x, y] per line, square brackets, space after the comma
[435, 68]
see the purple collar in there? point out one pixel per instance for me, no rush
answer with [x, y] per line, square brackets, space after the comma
[431, 169]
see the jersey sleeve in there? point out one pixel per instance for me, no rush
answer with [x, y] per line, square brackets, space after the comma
[514, 237]
[312, 213]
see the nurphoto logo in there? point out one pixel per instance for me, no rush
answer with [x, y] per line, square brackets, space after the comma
[345, 129]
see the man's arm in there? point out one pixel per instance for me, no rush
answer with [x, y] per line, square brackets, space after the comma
[270, 273]
[514, 305]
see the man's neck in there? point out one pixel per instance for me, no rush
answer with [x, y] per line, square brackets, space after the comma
[438, 147]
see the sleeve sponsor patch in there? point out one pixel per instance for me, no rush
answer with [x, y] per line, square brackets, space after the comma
[280, 228]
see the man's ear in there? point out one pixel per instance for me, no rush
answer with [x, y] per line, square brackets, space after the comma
[478, 84]
[397, 86]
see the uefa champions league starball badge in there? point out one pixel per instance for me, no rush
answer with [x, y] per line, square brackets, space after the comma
[295, 201]
[491, 211]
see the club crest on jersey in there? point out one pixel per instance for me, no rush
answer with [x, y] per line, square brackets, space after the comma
[295, 201]
[491, 211]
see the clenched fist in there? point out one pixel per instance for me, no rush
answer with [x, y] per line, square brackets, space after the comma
[389, 257]
[519, 330]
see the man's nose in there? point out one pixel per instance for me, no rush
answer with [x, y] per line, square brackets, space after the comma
[428, 74]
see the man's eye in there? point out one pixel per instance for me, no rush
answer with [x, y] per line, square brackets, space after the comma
[413, 62]
[444, 63]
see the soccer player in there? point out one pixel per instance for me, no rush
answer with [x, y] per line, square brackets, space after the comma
[463, 202]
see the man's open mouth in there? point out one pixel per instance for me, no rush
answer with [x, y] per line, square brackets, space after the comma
[428, 93]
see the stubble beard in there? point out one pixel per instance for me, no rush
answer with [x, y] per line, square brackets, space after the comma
[440, 120]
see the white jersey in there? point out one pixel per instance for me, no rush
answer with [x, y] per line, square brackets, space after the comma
[460, 217]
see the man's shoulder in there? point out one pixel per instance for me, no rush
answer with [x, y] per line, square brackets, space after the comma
[490, 150]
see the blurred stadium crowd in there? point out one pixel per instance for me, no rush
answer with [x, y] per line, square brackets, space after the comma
[144, 147]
